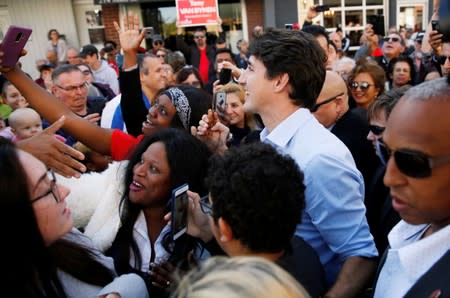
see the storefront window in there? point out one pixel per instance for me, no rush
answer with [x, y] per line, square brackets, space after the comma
[353, 18]
[332, 18]
[353, 3]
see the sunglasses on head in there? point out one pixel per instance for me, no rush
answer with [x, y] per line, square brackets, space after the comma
[393, 39]
[376, 130]
[328, 100]
[362, 85]
[414, 163]
[441, 59]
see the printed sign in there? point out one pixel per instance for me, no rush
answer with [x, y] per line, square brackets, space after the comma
[197, 12]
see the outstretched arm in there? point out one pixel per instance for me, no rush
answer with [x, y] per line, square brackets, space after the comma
[49, 107]
[131, 102]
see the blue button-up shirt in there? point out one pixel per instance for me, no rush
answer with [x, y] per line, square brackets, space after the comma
[334, 221]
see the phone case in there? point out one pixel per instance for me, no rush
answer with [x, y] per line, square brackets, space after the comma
[179, 211]
[15, 39]
[225, 76]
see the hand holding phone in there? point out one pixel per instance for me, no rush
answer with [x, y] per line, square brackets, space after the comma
[15, 39]
[180, 206]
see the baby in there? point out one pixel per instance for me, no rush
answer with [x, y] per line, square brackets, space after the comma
[24, 123]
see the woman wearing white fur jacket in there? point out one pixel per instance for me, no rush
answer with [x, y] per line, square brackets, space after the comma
[122, 209]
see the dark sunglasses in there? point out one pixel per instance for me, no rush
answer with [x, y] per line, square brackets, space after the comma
[441, 59]
[393, 39]
[157, 42]
[376, 130]
[328, 100]
[414, 163]
[363, 85]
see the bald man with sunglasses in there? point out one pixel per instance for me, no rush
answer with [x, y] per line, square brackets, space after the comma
[418, 175]
[350, 126]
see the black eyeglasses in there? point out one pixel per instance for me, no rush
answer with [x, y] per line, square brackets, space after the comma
[393, 39]
[363, 85]
[328, 100]
[376, 130]
[199, 36]
[73, 88]
[53, 188]
[441, 59]
[157, 42]
[205, 205]
[414, 163]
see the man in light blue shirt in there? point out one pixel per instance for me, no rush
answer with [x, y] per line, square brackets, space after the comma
[285, 75]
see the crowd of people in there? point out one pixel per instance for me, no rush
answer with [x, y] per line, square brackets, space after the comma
[308, 168]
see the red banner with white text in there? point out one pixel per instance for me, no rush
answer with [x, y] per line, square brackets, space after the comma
[197, 12]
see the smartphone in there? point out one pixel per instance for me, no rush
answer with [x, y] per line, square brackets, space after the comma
[15, 39]
[180, 202]
[225, 76]
[321, 8]
[149, 32]
[219, 103]
[435, 25]
[288, 26]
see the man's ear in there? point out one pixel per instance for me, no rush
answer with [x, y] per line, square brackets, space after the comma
[281, 82]
[226, 234]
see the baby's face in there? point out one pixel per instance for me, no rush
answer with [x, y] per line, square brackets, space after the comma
[27, 128]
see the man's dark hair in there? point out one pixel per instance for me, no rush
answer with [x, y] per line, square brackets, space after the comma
[317, 30]
[299, 55]
[259, 193]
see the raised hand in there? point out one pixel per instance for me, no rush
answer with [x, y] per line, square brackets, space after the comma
[55, 154]
[212, 132]
[130, 37]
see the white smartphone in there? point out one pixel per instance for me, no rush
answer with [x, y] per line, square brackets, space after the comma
[179, 210]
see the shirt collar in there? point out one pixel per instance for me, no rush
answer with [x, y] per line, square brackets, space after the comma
[417, 254]
[283, 132]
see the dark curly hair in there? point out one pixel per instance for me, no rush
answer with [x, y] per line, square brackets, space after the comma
[412, 70]
[259, 193]
[299, 55]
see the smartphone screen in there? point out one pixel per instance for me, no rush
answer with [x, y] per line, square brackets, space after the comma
[220, 102]
[179, 211]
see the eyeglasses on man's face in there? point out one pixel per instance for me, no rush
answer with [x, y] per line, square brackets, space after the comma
[328, 100]
[362, 85]
[53, 188]
[205, 205]
[72, 89]
[414, 163]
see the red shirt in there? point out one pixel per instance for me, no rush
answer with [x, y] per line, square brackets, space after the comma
[123, 144]
[203, 67]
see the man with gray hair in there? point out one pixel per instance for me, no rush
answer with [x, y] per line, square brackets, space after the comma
[417, 173]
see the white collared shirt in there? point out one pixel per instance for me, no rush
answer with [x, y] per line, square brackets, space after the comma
[140, 235]
[409, 257]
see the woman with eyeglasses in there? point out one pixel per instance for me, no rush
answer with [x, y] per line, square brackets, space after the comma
[366, 82]
[45, 256]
